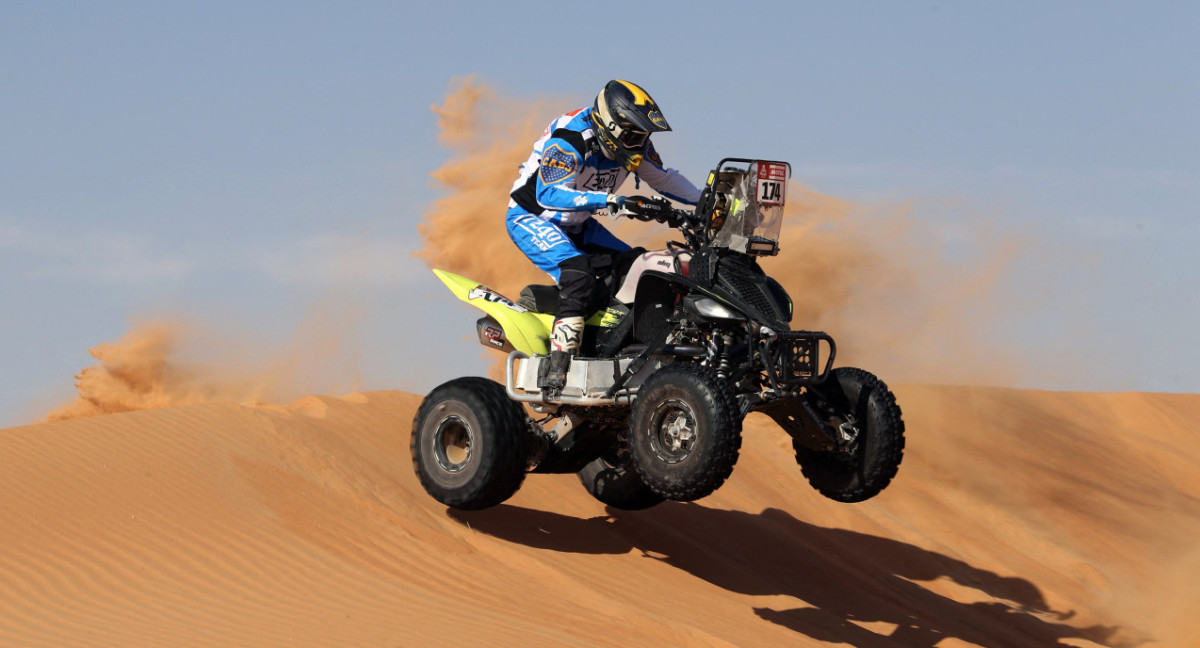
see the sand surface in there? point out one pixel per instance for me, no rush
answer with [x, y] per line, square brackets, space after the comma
[1019, 518]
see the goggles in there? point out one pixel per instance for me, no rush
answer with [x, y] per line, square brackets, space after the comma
[633, 139]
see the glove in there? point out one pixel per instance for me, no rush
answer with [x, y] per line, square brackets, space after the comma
[615, 203]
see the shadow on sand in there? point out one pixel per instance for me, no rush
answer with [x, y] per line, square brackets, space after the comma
[842, 577]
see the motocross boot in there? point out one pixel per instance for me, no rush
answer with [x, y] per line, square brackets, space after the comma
[564, 343]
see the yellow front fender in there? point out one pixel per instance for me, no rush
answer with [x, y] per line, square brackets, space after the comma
[527, 331]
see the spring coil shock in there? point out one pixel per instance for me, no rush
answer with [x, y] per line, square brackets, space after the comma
[722, 344]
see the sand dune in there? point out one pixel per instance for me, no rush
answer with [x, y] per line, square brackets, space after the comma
[1018, 519]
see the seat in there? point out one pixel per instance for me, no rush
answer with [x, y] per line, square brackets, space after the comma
[539, 298]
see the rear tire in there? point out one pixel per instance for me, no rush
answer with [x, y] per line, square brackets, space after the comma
[685, 432]
[871, 463]
[612, 479]
[468, 445]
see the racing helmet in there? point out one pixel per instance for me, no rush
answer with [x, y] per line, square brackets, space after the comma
[623, 117]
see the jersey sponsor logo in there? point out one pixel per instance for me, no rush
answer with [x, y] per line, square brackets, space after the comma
[557, 165]
[542, 235]
[601, 181]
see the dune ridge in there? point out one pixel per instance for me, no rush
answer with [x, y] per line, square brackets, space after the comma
[1019, 518]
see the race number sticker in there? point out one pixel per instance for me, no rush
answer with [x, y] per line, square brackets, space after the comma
[772, 179]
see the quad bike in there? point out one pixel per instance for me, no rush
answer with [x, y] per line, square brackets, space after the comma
[690, 340]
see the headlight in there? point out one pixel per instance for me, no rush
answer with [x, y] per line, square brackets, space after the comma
[712, 308]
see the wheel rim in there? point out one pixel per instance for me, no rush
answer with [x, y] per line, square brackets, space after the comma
[673, 430]
[452, 443]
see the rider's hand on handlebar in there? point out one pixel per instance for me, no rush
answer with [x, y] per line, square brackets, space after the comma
[615, 204]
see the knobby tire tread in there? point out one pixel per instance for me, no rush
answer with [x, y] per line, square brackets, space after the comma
[885, 466]
[501, 471]
[719, 465]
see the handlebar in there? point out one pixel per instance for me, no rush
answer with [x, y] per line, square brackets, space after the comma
[678, 215]
[685, 221]
[656, 209]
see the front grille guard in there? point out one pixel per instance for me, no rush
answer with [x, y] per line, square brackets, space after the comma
[792, 359]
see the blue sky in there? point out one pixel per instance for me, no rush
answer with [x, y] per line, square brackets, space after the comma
[246, 163]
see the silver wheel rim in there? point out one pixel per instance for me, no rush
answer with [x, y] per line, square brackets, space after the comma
[452, 443]
[673, 431]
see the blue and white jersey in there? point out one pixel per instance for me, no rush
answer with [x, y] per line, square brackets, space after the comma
[567, 177]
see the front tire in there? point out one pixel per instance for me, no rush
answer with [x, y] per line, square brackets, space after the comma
[685, 432]
[468, 445]
[860, 470]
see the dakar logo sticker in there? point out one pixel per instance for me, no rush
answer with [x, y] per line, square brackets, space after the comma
[557, 165]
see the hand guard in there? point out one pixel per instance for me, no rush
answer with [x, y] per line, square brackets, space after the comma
[656, 209]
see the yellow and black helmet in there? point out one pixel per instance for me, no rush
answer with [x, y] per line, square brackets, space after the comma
[623, 117]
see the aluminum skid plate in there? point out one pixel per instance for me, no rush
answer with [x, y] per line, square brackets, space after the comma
[588, 379]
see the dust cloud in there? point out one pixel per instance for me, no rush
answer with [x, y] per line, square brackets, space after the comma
[488, 137]
[165, 363]
[878, 278]
[903, 295]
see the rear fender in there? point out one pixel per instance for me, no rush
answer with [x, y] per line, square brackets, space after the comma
[527, 331]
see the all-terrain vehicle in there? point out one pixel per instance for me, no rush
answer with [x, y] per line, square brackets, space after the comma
[684, 344]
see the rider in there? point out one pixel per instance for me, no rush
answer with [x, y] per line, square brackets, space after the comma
[580, 159]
